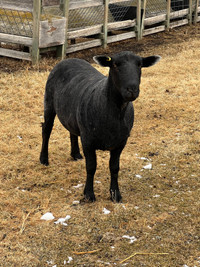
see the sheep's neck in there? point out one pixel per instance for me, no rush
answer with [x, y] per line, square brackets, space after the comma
[114, 96]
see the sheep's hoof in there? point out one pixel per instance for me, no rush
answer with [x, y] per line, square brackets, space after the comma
[89, 197]
[44, 161]
[77, 156]
[115, 196]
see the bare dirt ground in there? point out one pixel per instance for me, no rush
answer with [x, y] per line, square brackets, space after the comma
[158, 223]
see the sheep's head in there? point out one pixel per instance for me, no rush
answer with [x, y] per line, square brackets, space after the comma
[125, 72]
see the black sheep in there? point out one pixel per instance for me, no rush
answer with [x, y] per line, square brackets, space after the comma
[97, 108]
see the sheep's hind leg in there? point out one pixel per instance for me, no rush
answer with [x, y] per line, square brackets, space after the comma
[47, 126]
[75, 151]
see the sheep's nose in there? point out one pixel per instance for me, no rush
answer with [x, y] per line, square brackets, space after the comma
[133, 91]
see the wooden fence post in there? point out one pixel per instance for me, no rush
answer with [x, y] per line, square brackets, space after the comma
[196, 11]
[61, 50]
[105, 24]
[190, 12]
[138, 20]
[35, 53]
[168, 14]
[143, 17]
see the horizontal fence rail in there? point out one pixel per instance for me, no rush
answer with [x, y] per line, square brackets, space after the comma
[68, 26]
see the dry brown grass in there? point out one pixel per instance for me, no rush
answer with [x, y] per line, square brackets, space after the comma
[161, 209]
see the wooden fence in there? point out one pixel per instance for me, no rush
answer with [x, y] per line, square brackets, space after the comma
[56, 32]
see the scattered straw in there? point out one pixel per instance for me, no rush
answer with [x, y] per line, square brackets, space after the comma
[86, 252]
[23, 223]
[142, 253]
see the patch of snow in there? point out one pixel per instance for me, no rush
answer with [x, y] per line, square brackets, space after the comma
[20, 138]
[70, 259]
[131, 238]
[136, 207]
[105, 211]
[142, 158]
[148, 166]
[62, 221]
[156, 195]
[97, 182]
[138, 176]
[47, 216]
[78, 186]
[75, 202]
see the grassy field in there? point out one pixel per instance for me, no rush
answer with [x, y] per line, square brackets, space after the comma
[158, 223]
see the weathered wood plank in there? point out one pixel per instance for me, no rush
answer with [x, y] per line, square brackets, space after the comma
[179, 14]
[14, 54]
[84, 4]
[116, 1]
[25, 5]
[154, 20]
[120, 37]
[75, 4]
[84, 45]
[179, 23]
[84, 32]
[121, 25]
[15, 39]
[52, 33]
[154, 30]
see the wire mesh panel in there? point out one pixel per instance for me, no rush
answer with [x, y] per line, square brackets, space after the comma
[89, 16]
[123, 11]
[177, 5]
[84, 17]
[155, 7]
[16, 22]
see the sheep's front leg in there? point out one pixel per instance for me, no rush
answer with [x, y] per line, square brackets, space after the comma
[91, 163]
[114, 170]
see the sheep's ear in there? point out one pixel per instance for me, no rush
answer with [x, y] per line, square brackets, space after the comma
[104, 61]
[150, 61]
